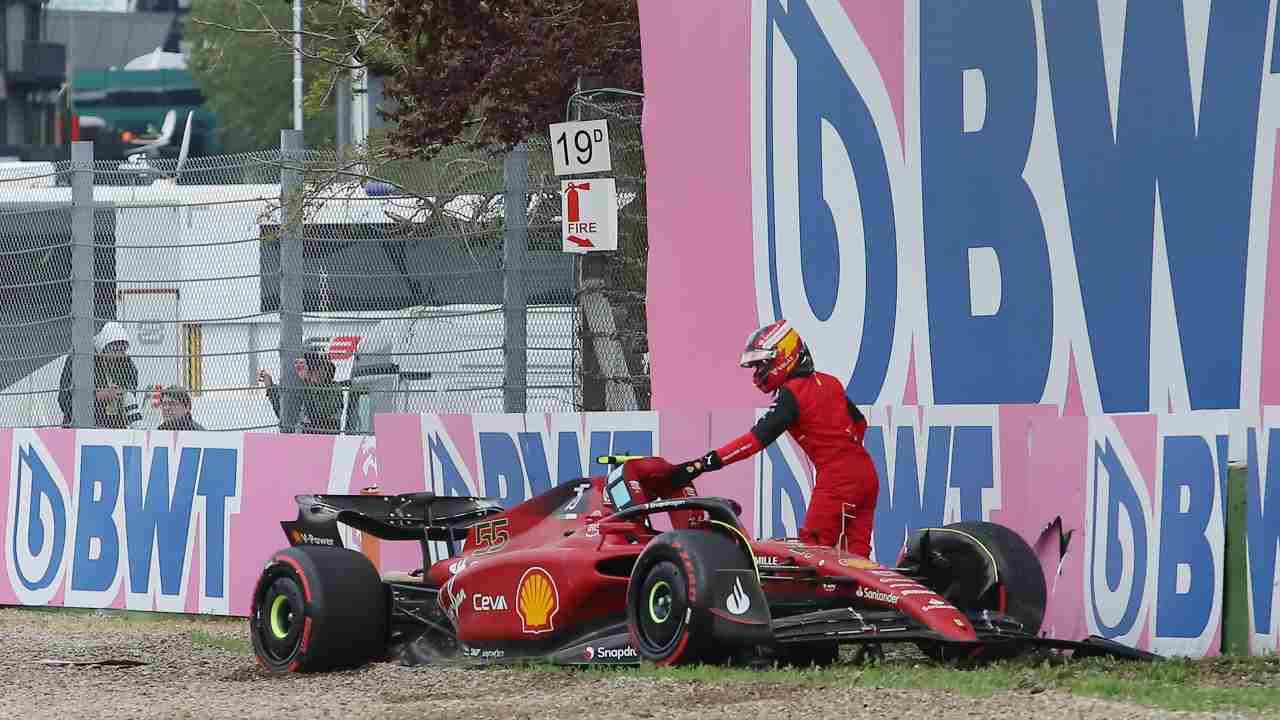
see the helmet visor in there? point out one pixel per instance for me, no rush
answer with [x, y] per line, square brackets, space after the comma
[754, 357]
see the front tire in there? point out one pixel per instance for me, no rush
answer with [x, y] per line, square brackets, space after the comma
[1019, 590]
[671, 593]
[316, 609]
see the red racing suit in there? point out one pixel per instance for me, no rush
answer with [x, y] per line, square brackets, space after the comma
[821, 419]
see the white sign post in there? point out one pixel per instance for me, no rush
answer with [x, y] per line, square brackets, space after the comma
[589, 215]
[581, 147]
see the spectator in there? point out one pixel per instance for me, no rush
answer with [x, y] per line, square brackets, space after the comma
[321, 397]
[175, 405]
[115, 378]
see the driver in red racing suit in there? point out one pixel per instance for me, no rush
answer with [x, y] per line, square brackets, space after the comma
[813, 407]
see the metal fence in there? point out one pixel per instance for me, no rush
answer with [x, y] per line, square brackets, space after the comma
[611, 286]
[298, 291]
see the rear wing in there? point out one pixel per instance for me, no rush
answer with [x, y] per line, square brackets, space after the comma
[420, 516]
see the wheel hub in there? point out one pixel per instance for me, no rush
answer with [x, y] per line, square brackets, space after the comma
[660, 602]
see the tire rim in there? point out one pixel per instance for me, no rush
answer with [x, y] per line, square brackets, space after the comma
[281, 617]
[661, 623]
[281, 610]
[660, 602]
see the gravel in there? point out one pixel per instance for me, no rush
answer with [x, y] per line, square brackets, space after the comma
[200, 668]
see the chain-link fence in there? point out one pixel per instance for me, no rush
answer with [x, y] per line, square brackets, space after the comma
[291, 290]
[613, 337]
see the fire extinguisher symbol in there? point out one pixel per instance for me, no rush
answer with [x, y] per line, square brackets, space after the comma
[572, 190]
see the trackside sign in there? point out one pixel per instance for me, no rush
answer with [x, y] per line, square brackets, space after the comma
[589, 215]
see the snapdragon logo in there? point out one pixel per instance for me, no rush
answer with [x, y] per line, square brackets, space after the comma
[626, 652]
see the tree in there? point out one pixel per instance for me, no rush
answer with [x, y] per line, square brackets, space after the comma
[247, 78]
[482, 72]
[505, 67]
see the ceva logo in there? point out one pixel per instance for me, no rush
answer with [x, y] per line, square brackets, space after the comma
[132, 518]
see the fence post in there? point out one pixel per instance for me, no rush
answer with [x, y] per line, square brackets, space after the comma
[515, 251]
[291, 153]
[602, 331]
[82, 284]
[1235, 575]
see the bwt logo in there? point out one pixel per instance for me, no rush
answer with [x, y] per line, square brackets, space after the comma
[129, 519]
[1155, 558]
[927, 191]
[38, 521]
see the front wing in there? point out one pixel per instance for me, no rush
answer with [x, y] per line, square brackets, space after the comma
[849, 625]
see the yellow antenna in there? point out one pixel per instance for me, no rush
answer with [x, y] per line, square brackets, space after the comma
[617, 459]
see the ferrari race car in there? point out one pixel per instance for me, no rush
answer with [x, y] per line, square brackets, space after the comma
[580, 574]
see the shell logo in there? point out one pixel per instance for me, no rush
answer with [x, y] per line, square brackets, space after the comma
[537, 601]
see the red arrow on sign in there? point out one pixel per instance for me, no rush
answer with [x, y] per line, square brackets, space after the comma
[580, 242]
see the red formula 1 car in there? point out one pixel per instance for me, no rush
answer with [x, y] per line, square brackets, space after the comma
[579, 574]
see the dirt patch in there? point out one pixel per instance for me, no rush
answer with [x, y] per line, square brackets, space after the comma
[184, 677]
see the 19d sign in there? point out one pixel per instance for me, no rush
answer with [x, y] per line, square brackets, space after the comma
[581, 147]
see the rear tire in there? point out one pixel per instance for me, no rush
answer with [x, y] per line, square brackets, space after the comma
[671, 584]
[316, 609]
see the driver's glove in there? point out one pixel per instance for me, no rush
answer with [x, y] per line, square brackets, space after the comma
[687, 471]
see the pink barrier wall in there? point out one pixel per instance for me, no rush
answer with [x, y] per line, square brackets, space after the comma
[963, 210]
[184, 522]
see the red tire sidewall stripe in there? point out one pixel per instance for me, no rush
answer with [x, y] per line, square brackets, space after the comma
[678, 652]
[306, 636]
[297, 567]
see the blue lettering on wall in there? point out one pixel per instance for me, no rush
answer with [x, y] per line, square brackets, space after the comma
[619, 442]
[156, 522]
[535, 462]
[99, 492]
[1275, 49]
[824, 94]
[501, 461]
[972, 468]
[785, 488]
[568, 457]
[901, 506]
[450, 481]
[217, 486]
[1263, 526]
[157, 517]
[1205, 182]
[974, 195]
[41, 491]
[1189, 468]
[1112, 550]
